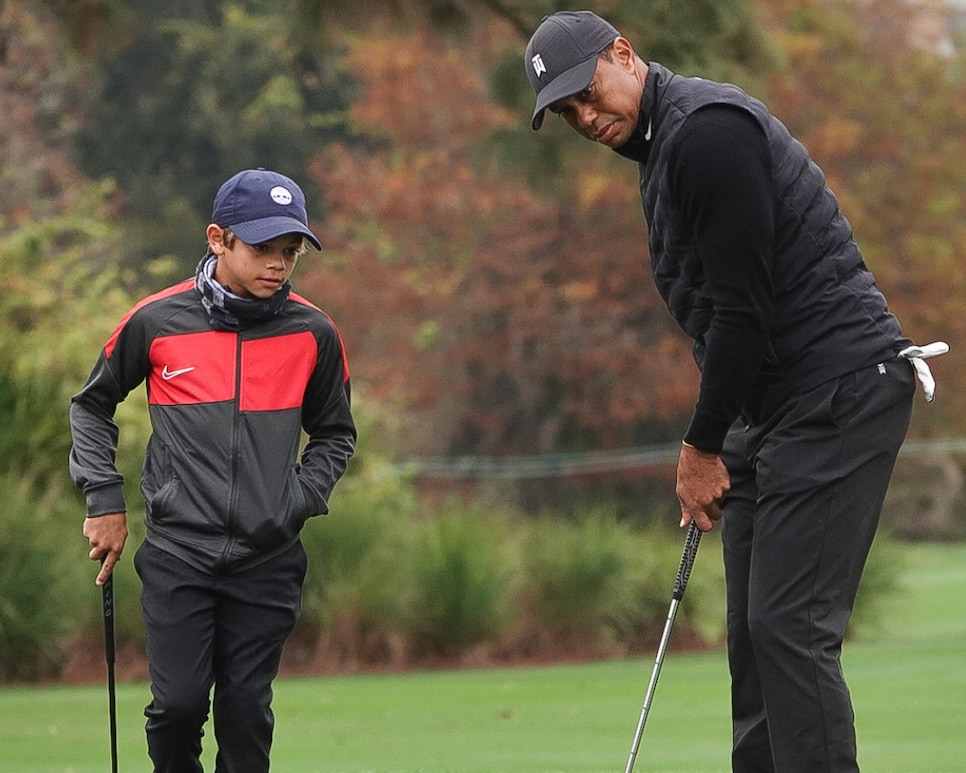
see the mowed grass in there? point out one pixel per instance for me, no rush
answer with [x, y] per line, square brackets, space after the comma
[908, 680]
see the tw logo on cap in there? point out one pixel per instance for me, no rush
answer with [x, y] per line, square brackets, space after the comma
[538, 66]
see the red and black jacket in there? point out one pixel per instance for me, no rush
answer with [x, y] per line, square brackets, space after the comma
[224, 485]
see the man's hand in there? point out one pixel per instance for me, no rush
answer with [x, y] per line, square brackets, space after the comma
[107, 535]
[702, 483]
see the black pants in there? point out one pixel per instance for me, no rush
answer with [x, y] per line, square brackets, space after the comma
[807, 490]
[221, 631]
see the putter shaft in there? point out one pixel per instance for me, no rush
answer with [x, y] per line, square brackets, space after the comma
[110, 657]
[680, 584]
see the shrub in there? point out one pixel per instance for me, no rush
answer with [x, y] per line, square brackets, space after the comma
[652, 573]
[460, 580]
[39, 590]
[354, 596]
[574, 578]
[351, 599]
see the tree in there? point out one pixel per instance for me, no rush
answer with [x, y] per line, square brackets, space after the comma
[507, 324]
[59, 286]
[184, 94]
[59, 281]
[885, 116]
[184, 91]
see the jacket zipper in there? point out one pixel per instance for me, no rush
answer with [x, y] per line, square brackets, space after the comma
[233, 450]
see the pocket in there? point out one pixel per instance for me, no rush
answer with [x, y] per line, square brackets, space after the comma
[797, 451]
[158, 482]
[279, 515]
[842, 405]
[154, 470]
[302, 504]
[158, 505]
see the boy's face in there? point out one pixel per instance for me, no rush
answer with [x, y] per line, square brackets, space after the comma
[253, 270]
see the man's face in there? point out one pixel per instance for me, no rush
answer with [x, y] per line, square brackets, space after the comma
[607, 110]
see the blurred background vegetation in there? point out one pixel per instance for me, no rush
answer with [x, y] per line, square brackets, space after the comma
[491, 286]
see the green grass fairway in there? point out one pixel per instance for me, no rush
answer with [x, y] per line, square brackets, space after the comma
[908, 681]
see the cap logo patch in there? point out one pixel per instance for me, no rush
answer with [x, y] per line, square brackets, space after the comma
[281, 195]
[538, 66]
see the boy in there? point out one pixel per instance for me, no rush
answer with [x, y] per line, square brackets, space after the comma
[236, 367]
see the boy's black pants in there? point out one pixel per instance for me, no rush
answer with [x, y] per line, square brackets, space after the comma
[807, 490]
[224, 631]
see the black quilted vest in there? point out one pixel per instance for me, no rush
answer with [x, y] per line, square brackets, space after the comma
[830, 318]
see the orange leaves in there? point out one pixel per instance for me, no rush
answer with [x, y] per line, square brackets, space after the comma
[421, 92]
[837, 138]
[500, 321]
[883, 111]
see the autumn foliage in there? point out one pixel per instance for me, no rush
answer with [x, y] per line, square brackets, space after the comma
[492, 284]
[881, 104]
[500, 320]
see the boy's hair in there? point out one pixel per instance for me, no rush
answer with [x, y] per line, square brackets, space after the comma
[228, 237]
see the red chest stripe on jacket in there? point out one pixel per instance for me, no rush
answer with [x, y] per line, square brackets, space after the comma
[192, 368]
[178, 288]
[345, 360]
[275, 371]
[201, 368]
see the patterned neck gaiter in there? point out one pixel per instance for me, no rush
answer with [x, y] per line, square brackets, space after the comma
[227, 311]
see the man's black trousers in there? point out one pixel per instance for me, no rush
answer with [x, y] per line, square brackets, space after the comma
[208, 630]
[807, 489]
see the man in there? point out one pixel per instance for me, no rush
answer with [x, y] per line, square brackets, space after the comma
[804, 398]
[237, 367]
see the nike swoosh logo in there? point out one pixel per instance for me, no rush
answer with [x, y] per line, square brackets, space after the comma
[647, 135]
[167, 375]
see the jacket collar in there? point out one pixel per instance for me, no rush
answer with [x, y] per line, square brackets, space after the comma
[638, 147]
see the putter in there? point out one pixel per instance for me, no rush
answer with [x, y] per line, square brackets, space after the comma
[684, 572]
[108, 589]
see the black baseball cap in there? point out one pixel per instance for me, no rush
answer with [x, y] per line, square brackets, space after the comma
[259, 205]
[561, 57]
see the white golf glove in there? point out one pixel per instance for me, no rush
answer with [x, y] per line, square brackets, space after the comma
[918, 355]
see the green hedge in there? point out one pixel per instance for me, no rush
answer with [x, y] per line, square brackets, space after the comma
[393, 582]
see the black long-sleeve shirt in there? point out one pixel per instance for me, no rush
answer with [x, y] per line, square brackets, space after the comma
[720, 175]
[750, 252]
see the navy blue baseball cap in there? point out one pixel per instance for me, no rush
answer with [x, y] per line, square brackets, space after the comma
[561, 57]
[259, 205]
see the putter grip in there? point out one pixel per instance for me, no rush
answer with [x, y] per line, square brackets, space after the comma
[108, 598]
[687, 560]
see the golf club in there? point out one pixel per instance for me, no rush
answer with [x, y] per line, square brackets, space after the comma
[108, 589]
[684, 572]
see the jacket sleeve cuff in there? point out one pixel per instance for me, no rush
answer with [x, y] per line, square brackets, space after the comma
[316, 502]
[707, 433]
[105, 500]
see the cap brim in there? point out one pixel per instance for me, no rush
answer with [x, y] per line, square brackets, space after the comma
[268, 228]
[568, 83]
